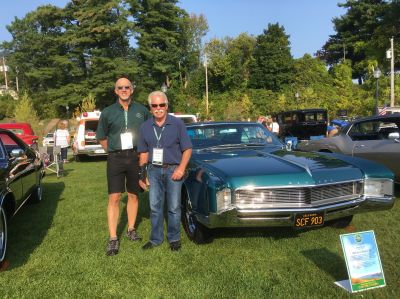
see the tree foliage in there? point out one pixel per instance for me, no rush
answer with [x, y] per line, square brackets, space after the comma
[272, 61]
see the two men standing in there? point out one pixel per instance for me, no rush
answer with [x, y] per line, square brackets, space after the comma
[126, 129]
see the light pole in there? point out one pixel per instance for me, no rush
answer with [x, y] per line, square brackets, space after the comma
[297, 96]
[164, 89]
[377, 74]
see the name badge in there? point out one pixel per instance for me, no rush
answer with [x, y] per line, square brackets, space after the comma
[126, 140]
[157, 156]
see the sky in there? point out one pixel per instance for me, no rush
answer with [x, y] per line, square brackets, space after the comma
[307, 22]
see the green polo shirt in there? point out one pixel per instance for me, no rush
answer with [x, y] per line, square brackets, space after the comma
[112, 123]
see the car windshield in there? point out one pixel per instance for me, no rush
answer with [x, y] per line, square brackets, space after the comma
[231, 135]
[49, 135]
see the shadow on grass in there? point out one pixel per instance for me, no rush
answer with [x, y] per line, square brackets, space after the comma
[89, 159]
[327, 261]
[29, 226]
[276, 233]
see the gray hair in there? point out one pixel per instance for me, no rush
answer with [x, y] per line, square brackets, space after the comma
[157, 93]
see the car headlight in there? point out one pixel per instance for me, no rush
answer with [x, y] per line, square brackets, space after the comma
[378, 187]
[224, 200]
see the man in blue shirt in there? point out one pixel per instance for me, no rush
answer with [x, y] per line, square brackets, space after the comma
[165, 147]
[117, 133]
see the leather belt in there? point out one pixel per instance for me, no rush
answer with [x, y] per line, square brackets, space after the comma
[124, 151]
[164, 165]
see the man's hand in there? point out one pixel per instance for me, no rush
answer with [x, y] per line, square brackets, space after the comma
[177, 174]
[144, 184]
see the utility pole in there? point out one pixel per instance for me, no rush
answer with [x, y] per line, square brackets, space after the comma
[391, 73]
[16, 78]
[205, 67]
[5, 71]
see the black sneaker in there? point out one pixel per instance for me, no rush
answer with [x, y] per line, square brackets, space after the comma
[175, 246]
[112, 247]
[148, 245]
[133, 235]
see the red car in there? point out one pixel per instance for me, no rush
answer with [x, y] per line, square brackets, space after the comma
[23, 131]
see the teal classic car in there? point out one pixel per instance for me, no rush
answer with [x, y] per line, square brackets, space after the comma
[241, 175]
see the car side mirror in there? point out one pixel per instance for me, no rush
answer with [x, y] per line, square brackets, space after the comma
[394, 135]
[17, 153]
[289, 145]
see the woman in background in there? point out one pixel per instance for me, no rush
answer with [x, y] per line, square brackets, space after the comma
[62, 139]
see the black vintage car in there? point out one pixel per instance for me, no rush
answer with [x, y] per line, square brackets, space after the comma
[21, 173]
[303, 123]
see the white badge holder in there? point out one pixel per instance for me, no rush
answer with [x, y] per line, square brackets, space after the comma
[157, 156]
[126, 141]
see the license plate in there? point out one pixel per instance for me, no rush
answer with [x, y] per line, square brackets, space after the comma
[309, 220]
[99, 151]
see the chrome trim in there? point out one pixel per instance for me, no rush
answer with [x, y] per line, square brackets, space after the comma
[285, 217]
[299, 186]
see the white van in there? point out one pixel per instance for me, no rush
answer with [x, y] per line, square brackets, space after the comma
[85, 142]
[187, 118]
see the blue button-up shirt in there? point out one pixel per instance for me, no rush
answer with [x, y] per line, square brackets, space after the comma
[174, 139]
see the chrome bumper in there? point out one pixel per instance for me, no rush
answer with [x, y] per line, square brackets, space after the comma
[285, 217]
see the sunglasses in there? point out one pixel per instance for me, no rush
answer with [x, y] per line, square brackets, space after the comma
[123, 87]
[162, 105]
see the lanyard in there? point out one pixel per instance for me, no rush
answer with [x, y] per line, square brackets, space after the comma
[126, 120]
[158, 137]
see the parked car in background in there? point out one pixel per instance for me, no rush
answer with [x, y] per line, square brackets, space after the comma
[303, 123]
[21, 173]
[85, 142]
[186, 118]
[48, 140]
[375, 138]
[24, 131]
[241, 175]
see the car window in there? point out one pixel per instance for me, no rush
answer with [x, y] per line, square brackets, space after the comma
[372, 130]
[222, 134]
[309, 117]
[17, 131]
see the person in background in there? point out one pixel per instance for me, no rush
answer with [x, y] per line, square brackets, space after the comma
[62, 139]
[274, 126]
[165, 146]
[117, 133]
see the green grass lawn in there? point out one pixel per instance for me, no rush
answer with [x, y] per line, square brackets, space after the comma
[57, 250]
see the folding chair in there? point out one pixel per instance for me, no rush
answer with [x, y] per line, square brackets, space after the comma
[51, 157]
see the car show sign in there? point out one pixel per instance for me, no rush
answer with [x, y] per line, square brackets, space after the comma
[363, 262]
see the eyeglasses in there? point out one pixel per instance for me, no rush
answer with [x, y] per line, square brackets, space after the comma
[123, 87]
[162, 105]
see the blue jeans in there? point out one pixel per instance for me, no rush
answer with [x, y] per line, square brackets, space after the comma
[163, 188]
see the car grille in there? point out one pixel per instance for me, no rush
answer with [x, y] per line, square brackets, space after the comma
[297, 197]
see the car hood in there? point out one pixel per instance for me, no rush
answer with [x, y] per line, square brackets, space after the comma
[266, 167]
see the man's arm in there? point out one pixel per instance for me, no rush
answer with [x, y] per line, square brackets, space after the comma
[104, 144]
[143, 159]
[180, 170]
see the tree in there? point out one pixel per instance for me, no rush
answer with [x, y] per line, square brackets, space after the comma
[272, 65]
[355, 35]
[24, 112]
[160, 27]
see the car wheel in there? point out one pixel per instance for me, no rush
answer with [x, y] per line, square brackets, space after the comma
[341, 222]
[195, 231]
[3, 234]
[37, 194]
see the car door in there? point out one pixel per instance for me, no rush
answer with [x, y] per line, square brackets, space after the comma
[373, 143]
